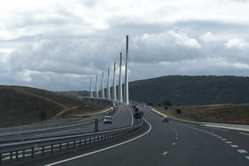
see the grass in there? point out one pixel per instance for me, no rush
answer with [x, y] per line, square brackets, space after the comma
[223, 113]
[24, 105]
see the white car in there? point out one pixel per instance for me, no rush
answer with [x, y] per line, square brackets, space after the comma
[107, 119]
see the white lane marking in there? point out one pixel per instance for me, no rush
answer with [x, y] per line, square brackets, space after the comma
[161, 114]
[164, 153]
[234, 146]
[247, 157]
[228, 142]
[244, 133]
[242, 151]
[226, 127]
[103, 149]
[222, 129]
[224, 139]
[202, 130]
[173, 143]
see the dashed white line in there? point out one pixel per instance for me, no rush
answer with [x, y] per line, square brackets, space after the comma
[228, 142]
[224, 139]
[234, 146]
[165, 153]
[173, 143]
[242, 151]
[247, 157]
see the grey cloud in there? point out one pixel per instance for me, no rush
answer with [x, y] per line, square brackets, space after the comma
[65, 56]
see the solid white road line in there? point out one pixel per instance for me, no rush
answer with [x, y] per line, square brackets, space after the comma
[159, 113]
[242, 151]
[226, 127]
[103, 149]
[244, 133]
[164, 153]
[234, 146]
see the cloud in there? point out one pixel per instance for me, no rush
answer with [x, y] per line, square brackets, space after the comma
[156, 47]
[237, 43]
[60, 44]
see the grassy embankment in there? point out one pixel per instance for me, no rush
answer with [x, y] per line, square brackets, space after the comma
[24, 105]
[219, 113]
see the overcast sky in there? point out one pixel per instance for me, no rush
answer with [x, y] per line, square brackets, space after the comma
[60, 44]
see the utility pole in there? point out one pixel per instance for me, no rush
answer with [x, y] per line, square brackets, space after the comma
[108, 84]
[126, 72]
[120, 78]
[96, 87]
[91, 90]
[102, 86]
[114, 82]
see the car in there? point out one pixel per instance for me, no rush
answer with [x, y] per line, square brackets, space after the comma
[107, 119]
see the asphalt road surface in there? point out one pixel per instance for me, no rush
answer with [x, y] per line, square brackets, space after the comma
[173, 144]
[121, 118]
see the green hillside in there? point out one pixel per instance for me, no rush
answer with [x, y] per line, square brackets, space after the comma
[23, 105]
[189, 90]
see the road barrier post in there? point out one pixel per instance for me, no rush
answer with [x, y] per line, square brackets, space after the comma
[52, 148]
[32, 152]
[17, 155]
[42, 150]
[96, 125]
[11, 155]
[23, 153]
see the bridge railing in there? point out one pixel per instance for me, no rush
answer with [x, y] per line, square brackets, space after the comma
[33, 148]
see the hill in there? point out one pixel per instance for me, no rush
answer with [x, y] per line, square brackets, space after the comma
[191, 90]
[218, 113]
[23, 105]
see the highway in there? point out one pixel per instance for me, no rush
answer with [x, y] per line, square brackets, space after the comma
[121, 118]
[173, 143]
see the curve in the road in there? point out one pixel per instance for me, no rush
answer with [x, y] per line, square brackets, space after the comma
[103, 149]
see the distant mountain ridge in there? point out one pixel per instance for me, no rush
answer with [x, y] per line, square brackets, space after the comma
[191, 90]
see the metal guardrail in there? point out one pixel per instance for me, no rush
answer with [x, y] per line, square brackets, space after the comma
[74, 124]
[34, 148]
